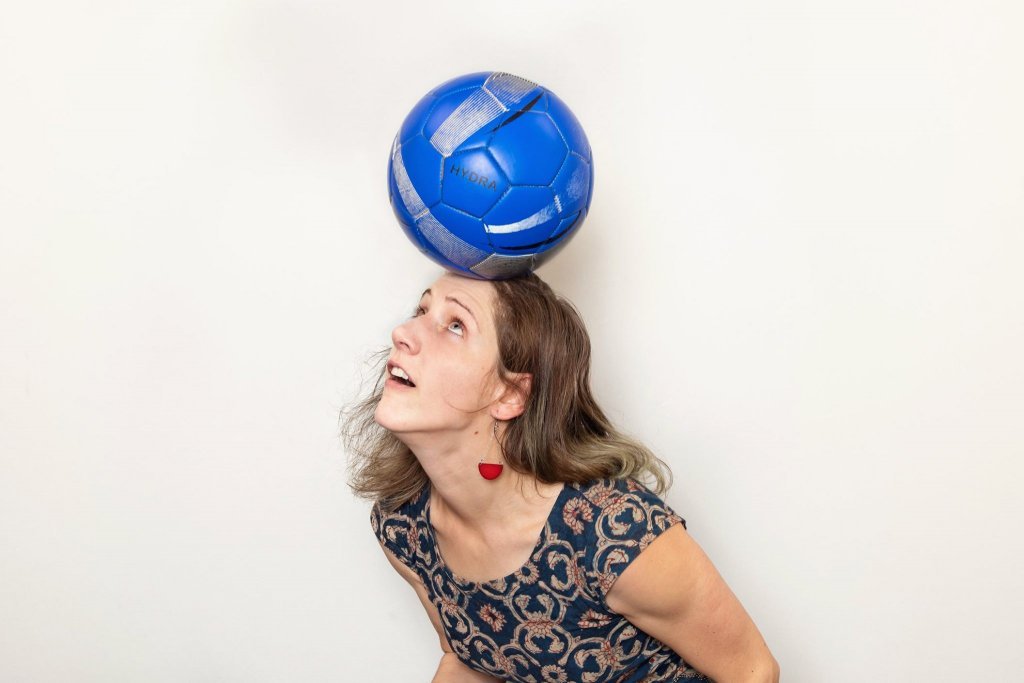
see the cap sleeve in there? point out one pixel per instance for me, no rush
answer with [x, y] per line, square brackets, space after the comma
[397, 533]
[628, 519]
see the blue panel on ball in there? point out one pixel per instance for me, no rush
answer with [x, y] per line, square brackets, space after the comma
[413, 123]
[570, 127]
[467, 228]
[424, 166]
[566, 224]
[472, 182]
[523, 219]
[529, 149]
[556, 244]
[572, 185]
[541, 104]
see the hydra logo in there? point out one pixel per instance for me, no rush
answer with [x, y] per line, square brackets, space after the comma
[474, 177]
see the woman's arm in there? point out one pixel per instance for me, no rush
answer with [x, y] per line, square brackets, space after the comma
[673, 592]
[449, 669]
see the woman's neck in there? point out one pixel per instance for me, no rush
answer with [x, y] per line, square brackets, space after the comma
[463, 498]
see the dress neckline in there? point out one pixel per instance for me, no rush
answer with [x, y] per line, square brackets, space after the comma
[502, 581]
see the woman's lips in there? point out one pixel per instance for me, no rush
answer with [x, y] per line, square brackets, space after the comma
[394, 382]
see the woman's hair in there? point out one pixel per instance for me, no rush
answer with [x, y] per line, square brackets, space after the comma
[562, 434]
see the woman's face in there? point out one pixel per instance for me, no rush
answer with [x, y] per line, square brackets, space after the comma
[449, 351]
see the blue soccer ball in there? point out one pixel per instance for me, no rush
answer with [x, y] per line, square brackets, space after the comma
[490, 175]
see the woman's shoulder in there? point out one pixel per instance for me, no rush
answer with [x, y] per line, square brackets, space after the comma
[604, 492]
[604, 502]
[614, 520]
[388, 525]
[403, 530]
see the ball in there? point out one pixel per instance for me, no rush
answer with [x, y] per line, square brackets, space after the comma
[490, 175]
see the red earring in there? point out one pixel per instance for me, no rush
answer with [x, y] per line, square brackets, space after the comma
[491, 470]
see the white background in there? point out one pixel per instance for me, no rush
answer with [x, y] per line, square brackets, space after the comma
[801, 275]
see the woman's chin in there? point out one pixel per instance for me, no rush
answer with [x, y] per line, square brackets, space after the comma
[393, 423]
[381, 417]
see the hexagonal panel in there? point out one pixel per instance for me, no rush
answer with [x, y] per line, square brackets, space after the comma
[569, 125]
[563, 234]
[529, 149]
[413, 123]
[566, 224]
[541, 105]
[472, 182]
[467, 228]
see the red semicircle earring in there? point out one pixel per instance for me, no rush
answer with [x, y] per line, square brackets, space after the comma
[491, 470]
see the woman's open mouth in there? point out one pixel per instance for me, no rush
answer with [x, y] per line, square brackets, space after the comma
[397, 375]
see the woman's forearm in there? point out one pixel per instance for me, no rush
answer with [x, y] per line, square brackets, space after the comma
[451, 670]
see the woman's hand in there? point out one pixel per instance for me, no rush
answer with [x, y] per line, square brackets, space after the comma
[451, 670]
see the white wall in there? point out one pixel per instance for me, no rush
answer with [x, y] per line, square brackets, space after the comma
[801, 274]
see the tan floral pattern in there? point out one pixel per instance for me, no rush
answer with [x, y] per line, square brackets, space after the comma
[575, 512]
[548, 621]
[492, 617]
[553, 674]
[527, 574]
[593, 619]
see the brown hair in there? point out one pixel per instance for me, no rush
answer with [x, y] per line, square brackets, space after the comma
[562, 434]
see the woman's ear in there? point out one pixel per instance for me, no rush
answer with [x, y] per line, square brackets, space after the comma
[512, 402]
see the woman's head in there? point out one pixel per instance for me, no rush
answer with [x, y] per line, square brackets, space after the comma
[509, 350]
[449, 352]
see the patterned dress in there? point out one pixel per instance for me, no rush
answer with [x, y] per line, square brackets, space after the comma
[548, 622]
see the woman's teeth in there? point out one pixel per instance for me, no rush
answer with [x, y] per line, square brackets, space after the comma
[401, 375]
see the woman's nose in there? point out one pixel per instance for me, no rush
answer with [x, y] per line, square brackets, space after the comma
[404, 336]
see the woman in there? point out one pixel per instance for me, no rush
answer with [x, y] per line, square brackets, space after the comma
[515, 510]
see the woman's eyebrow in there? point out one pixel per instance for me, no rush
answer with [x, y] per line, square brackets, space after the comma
[454, 300]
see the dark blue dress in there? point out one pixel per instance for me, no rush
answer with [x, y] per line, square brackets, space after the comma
[548, 621]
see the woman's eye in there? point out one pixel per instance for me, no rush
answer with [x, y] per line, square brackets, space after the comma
[459, 327]
[418, 312]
